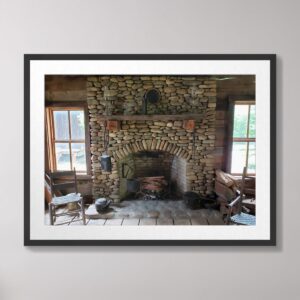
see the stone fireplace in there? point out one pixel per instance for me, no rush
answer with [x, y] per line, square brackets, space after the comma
[154, 163]
[161, 143]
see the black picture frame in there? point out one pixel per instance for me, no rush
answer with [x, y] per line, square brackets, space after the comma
[31, 57]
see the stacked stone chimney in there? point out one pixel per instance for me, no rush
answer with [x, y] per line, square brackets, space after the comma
[191, 150]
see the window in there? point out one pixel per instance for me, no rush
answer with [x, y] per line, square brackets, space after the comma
[243, 140]
[66, 131]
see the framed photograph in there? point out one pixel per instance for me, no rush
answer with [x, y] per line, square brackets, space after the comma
[150, 149]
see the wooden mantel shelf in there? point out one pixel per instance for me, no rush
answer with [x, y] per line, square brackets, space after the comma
[151, 117]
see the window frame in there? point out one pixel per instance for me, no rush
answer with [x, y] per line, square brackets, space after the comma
[50, 134]
[245, 100]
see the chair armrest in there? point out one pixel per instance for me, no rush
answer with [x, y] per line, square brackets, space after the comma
[235, 201]
[230, 208]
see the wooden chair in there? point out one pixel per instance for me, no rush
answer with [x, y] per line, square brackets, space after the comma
[240, 217]
[62, 180]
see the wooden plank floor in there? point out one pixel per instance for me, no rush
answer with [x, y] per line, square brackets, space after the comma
[153, 221]
[180, 217]
[207, 220]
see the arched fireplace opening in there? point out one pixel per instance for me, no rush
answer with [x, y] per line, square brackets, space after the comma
[152, 175]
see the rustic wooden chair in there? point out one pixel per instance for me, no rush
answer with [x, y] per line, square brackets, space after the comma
[63, 180]
[239, 217]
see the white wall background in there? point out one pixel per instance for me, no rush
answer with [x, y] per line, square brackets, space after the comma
[143, 26]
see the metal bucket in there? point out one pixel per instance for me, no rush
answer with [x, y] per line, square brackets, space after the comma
[133, 185]
[105, 162]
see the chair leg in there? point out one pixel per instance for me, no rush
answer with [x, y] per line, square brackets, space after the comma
[83, 212]
[51, 214]
[229, 212]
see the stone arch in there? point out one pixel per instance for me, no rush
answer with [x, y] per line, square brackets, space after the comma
[150, 145]
[180, 161]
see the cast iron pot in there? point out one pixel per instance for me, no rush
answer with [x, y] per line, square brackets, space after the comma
[192, 200]
[102, 204]
[210, 203]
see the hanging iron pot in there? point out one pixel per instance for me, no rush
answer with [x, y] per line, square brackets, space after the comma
[105, 161]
